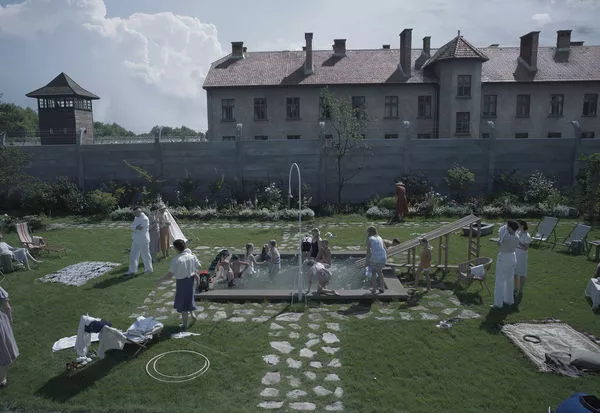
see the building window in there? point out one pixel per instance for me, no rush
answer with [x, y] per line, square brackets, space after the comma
[554, 135]
[292, 108]
[424, 107]
[261, 138]
[227, 110]
[588, 135]
[293, 137]
[590, 104]
[521, 135]
[64, 131]
[391, 136]
[424, 136]
[260, 109]
[463, 122]
[391, 107]
[228, 138]
[358, 105]
[69, 102]
[324, 111]
[51, 131]
[464, 86]
[42, 103]
[490, 103]
[523, 104]
[556, 105]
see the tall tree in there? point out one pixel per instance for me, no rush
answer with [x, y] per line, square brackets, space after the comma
[17, 121]
[105, 129]
[348, 120]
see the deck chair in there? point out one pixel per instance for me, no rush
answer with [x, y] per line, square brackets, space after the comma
[576, 240]
[34, 244]
[475, 270]
[545, 231]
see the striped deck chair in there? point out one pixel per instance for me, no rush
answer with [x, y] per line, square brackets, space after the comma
[576, 240]
[546, 231]
[32, 243]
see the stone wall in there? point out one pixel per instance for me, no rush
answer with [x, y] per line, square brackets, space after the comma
[248, 163]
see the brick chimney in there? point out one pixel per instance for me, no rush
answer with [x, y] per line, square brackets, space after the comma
[237, 50]
[529, 50]
[405, 51]
[563, 40]
[425, 53]
[308, 61]
[339, 47]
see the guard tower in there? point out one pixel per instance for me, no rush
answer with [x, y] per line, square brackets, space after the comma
[64, 108]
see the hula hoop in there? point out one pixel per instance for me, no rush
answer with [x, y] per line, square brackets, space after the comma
[153, 372]
[532, 338]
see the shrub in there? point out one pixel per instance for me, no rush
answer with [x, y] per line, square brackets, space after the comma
[36, 222]
[459, 180]
[509, 183]
[185, 191]
[456, 210]
[388, 202]
[564, 211]
[69, 199]
[515, 211]
[377, 213]
[539, 188]
[39, 197]
[270, 197]
[7, 223]
[122, 214]
[202, 213]
[492, 211]
[417, 185]
[99, 202]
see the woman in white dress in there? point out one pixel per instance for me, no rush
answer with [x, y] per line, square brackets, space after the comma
[505, 265]
[8, 347]
[522, 256]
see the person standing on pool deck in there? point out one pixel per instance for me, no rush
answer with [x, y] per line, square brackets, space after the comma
[376, 258]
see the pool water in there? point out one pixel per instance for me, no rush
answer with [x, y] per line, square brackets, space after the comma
[344, 276]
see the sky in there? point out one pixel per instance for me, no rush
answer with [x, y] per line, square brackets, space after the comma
[147, 59]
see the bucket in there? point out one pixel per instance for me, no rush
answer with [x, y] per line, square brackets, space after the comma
[580, 403]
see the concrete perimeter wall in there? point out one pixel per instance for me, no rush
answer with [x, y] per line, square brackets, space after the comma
[246, 164]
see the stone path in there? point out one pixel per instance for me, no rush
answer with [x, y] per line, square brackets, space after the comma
[301, 370]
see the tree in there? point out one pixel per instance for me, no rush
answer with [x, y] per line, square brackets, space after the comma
[17, 121]
[151, 189]
[181, 132]
[459, 180]
[348, 120]
[105, 129]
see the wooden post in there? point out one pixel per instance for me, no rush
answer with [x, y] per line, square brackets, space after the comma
[447, 240]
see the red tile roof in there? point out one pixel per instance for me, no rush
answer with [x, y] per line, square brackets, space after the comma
[381, 66]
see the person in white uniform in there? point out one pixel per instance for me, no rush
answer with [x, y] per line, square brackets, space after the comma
[505, 265]
[522, 257]
[140, 244]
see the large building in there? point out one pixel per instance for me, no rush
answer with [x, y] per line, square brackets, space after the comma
[456, 91]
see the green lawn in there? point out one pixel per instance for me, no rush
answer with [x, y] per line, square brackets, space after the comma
[386, 365]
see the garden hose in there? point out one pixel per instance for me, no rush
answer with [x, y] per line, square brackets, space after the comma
[153, 372]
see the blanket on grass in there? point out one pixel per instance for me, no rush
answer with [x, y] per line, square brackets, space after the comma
[78, 274]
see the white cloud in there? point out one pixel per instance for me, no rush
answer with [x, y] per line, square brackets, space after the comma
[541, 19]
[585, 4]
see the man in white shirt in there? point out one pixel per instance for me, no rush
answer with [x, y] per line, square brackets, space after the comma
[141, 243]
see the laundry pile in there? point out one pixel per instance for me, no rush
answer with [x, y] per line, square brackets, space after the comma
[78, 274]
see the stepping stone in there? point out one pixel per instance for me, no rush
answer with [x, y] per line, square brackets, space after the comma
[162, 317]
[468, 314]
[405, 316]
[316, 364]
[427, 316]
[310, 375]
[332, 377]
[338, 316]
[148, 301]
[436, 304]
[454, 301]
[142, 307]
[434, 295]
[270, 405]
[202, 316]
[261, 319]
[294, 335]
[282, 346]
[169, 294]
[244, 312]
[362, 316]
[293, 381]
[386, 310]
[275, 333]
[161, 287]
[314, 326]
[271, 359]
[334, 363]
[294, 364]
[305, 406]
[267, 311]
[220, 315]
[294, 326]
[289, 317]
[269, 392]
[334, 326]
[296, 394]
[312, 342]
[315, 317]
[419, 308]
[321, 391]
[449, 311]
[275, 326]
[312, 336]
[202, 247]
[307, 353]
[330, 350]
[330, 338]
[237, 320]
[339, 392]
[151, 293]
[335, 407]
[316, 309]
[384, 318]
[272, 377]
[199, 308]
